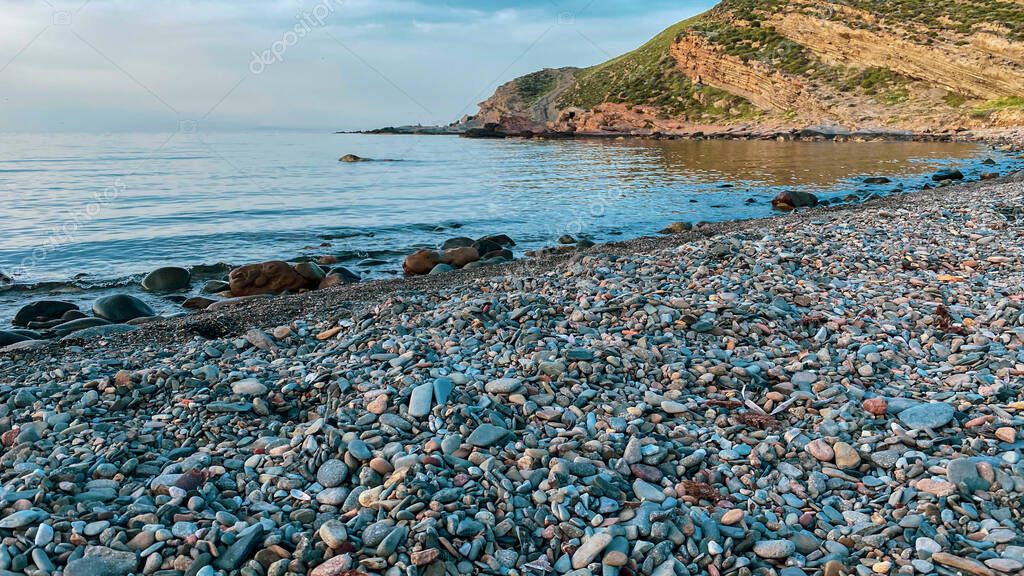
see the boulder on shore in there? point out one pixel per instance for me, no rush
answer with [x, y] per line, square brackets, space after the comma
[503, 239]
[458, 242]
[7, 338]
[504, 254]
[792, 199]
[676, 228]
[42, 311]
[486, 246]
[459, 257]
[167, 279]
[99, 332]
[274, 277]
[421, 262]
[310, 271]
[215, 286]
[76, 325]
[121, 308]
[338, 277]
[197, 303]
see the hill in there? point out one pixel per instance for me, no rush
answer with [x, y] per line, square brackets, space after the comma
[767, 64]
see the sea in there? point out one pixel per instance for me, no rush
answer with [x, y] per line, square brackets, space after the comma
[85, 215]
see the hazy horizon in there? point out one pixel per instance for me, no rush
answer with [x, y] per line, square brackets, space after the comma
[205, 65]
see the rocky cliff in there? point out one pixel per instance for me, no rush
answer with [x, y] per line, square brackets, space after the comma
[760, 65]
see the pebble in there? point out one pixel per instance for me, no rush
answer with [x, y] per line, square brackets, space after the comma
[487, 435]
[590, 549]
[249, 387]
[821, 450]
[420, 400]
[774, 549]
[846, 456]
[927, 416]
[332, 473]
[333, 533]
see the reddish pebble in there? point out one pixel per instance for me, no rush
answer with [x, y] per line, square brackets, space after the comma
[876, 406]
[646, 473]
[8, 438]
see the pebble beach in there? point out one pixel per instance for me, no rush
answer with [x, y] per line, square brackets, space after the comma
[832, 391]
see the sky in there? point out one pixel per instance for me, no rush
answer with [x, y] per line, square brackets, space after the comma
[149, 65]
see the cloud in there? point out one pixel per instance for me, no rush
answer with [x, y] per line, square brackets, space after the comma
[123, 65]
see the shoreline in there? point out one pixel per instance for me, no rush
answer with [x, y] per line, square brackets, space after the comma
[829, 388]
[234, 316]
[1011, 137]
[79, 291]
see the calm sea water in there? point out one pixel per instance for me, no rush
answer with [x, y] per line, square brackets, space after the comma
[85, 214]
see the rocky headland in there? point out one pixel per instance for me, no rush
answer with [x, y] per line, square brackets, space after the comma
[789, 68]
[834, 391]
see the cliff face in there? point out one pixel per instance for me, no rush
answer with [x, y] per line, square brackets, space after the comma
[525, 104]
[768, 64]
[705, 62]
[992, 73]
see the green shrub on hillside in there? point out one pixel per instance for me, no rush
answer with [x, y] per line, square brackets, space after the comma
[649, 76]
[960, 16]
[534, 86]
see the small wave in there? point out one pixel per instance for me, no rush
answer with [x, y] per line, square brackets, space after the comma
[346, 235]
[76, 285]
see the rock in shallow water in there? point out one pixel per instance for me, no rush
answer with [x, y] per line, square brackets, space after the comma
[120, 308]
[791, 199]
[459, 257]
[42, 310]
[168, 279]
